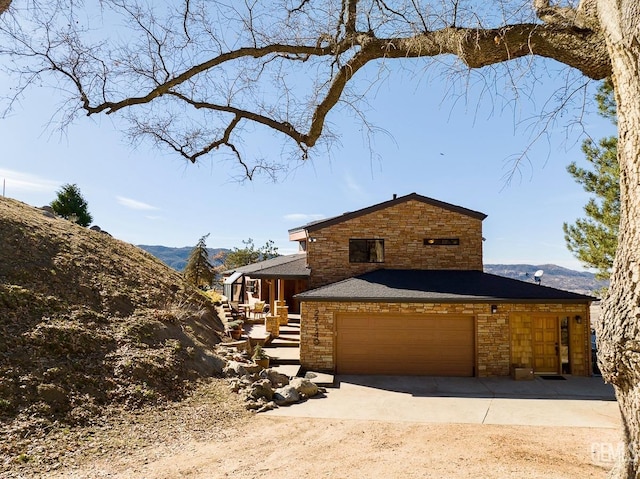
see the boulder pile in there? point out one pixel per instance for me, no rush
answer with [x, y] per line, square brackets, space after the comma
[263, 389]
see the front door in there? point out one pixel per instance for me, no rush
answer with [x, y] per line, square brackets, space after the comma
[546, 347]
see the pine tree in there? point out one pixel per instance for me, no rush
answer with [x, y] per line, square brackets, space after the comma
[71, 205]
[594, 239]
[199, 270]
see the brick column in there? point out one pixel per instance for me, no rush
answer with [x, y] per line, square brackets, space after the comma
[272, 325]
[282, 311]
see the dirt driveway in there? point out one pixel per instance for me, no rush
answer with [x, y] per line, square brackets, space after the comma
[324, 448]
[304, 447]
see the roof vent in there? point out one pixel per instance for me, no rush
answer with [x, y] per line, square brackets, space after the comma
[395, 196]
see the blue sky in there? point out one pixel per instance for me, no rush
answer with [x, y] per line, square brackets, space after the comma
[433, 143]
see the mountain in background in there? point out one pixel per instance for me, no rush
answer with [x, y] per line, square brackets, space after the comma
[177, 258]
[554, 276]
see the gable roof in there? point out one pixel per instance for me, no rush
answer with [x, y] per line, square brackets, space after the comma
[292, 266]
[445, 286]
[316, 225]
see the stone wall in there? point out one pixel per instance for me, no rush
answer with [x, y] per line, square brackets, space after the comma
[503, 339]
[404, 227]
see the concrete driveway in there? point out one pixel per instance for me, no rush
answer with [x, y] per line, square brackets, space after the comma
[574, 402]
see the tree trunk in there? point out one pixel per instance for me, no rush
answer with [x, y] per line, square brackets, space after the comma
[619, 329]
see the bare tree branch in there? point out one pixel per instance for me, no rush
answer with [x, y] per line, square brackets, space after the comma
[181, 58]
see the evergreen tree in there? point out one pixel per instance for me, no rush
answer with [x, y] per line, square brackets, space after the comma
[71, 205]
[594, 239]
[250, 254]
[199, 270]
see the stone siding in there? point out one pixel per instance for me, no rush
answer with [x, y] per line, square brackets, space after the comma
[503, 339]
[403, 227]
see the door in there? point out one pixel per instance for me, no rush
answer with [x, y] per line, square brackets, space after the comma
[405, 345]
[546, 347]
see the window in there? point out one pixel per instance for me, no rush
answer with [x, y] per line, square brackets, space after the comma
[252, 286]
[366, 251]
[441, 241]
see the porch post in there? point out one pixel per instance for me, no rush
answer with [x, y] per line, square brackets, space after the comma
[272, 295]
[282, 311]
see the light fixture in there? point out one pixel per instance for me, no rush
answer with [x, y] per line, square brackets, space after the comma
[494, 308]
[578, 319]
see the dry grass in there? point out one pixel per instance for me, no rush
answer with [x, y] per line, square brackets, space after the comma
[89, 325]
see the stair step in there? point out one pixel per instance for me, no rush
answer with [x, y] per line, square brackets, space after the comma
[285, 342]
[284, 355]
[289, 329]
[284, 362]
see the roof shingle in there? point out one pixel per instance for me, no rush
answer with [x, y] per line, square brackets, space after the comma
[387, 285]
[286, 267]
[316, 225]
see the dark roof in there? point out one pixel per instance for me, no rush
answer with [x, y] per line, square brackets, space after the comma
[292, 266]
[388, 285]
[316, 225]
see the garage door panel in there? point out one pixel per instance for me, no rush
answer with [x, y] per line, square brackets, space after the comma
[386, 344]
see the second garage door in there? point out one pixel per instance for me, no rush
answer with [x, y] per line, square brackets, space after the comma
[409, 345]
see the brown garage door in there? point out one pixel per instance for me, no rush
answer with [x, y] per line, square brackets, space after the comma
[413, 345]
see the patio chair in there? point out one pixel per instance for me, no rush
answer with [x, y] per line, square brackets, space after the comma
[258, 309]
[251, 299]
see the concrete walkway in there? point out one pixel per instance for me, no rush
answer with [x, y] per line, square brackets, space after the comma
[575, 402]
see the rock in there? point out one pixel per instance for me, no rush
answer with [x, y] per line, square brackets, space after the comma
[261, 389]
[234, 368]
[267, 407]
[234, 385]
[260, 405]
[252, 368]
[304, 386]
[277, 379]
[215, 363]
[96, 228]
[48, 211]
[286, 395]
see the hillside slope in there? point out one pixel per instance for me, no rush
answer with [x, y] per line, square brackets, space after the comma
[87, 320]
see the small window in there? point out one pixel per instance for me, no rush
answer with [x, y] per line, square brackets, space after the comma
[441, 241]
[366, 251]
[252, 286]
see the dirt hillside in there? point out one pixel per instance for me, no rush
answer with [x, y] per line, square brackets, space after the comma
[87, 321]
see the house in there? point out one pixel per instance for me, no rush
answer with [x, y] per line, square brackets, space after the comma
[399, 288]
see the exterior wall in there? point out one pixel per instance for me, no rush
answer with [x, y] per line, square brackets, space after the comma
[403, 228]
[503, 339]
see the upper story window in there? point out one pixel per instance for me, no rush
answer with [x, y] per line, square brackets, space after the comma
[366, 250]
[441, 241]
